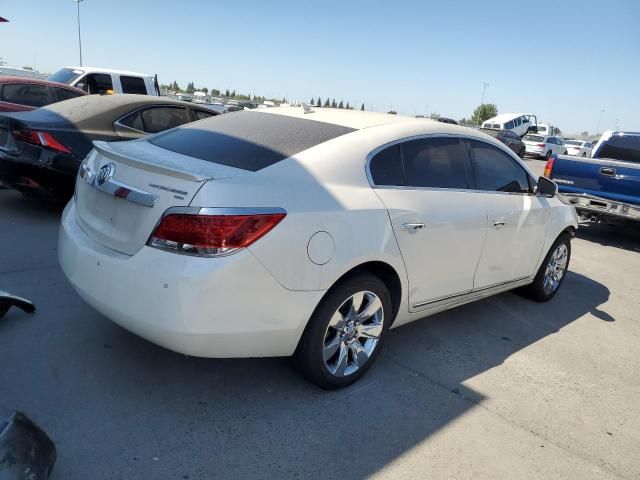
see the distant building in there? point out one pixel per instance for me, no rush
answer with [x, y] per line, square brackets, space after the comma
[21, 72]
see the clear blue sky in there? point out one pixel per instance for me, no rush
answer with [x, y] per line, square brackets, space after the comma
[563, 60]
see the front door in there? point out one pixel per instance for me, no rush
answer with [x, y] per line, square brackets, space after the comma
[438, 221]
[517, 219]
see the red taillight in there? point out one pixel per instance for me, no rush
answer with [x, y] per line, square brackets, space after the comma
[548, 168]
[211, 235]
[42, 139]
[541, 145]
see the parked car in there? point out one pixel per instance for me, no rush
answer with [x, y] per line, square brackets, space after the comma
[40, 150]
[605, 187]
[306, 235]
[518, 123]
[578, 148]
[509, 138]
[18, 94]
[95, 80]
[543, 146]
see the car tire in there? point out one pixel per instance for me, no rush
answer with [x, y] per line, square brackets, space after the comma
[522, 153]
[565, 152]
[584, 154]
[552, 271]
[334, 351]
[549, 153]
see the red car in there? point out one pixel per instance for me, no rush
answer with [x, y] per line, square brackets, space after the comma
[18, 94]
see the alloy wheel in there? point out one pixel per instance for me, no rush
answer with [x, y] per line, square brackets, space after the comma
[353, 333]
[556, 268]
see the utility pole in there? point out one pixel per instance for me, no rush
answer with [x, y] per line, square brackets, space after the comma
[79, 37]
[484, 88]
[599, 119]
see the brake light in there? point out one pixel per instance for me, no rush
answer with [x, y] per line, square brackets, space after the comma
[541, 145]
[211, 235]
[548, 168]
[42, 139]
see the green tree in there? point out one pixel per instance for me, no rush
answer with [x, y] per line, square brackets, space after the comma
[392, 112]
[434, 116]
[341, 104]
[348, 107]
[175, 87]
[215, 92]
[190, 87]
[227, 93]
[319, 102]
[327, 104]
[233, 94]
[484, 112]
[312, 101]
[362, 107]
[334, 104]
[205, 90]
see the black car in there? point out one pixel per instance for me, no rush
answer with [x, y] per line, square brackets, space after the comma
[41, 150]
[509, 138]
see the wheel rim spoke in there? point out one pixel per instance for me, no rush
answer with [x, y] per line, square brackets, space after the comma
[358, 353]
[373, 305]
[341, 363]
[372, 330]
[357, 300]
[337, 320]
[331, 348]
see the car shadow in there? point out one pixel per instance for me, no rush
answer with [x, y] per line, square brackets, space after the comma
[625, 237]
[115, 402]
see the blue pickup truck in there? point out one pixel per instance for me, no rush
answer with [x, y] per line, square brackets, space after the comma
[605, 187]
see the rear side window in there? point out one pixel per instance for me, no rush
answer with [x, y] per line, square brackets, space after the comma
[133, 85]
[621, 147]
[436, 162]
[386, 167]
[63, 94]
[248, 140]
[25, 94]
[202, 114]
[159, 119]
[495, 171]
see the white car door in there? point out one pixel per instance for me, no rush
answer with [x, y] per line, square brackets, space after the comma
[517, 218]
[438, 221]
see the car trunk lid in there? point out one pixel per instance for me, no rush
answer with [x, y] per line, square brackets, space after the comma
[123, 189]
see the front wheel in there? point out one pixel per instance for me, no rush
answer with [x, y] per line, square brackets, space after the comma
[552, 272]
[565, 152]
[548, 154]
[345, 333]
[584, 154]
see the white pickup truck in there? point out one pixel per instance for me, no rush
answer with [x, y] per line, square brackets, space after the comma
[103, 80]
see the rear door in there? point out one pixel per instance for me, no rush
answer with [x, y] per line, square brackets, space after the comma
[517, 219]
[437, 220]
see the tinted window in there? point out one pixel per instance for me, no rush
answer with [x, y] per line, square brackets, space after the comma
[533, 138]
[495, 170]
[159, 119]
[588, 145]
[436, 162]
[509, 125]
[248, 140]
[63, 94]
[25, 94]
[134, 121]
[65, 75]
[511, 135]
[202, 114]
[621, 147]
[386, 167]
[97, 83]
[133, 85]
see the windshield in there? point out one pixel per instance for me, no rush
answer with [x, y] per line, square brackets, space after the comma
[533, 138]
[65, 75]
[573, 142]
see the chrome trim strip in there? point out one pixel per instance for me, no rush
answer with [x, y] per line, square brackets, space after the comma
[470, 292]
[116, 188]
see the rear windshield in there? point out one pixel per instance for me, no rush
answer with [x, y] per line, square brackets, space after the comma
[533, 138]
[621, 147]
[573, 142]
[65, 75]
[489, 131]
[248, 140]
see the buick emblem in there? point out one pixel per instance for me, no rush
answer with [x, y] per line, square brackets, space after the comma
[105, 173]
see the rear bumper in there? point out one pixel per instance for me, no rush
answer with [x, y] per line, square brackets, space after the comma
[205, 307]
[34, 179]
[538, 152]
[592, 206]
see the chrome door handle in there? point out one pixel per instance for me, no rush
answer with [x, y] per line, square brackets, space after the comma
[499, 223]
[610, 172]
[412, 227]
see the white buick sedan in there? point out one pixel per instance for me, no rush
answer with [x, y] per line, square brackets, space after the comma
[283, 232]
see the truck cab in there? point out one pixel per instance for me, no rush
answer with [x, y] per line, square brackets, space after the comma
[103, 80]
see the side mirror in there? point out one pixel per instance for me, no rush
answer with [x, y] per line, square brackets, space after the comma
[82, 86]
[546, 187]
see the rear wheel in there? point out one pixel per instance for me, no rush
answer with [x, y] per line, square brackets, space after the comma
[552, 272]
[584, 154]
[345, 333]
[565, 152]
[548, 154]
[522, 152]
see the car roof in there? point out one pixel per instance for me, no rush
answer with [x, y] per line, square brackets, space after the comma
[38, 81]
[109, 70]
[355, 119]
[504, 117]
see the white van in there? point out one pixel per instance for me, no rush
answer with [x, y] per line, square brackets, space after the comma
[546, 129]
[103, 80]
[518, 123]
